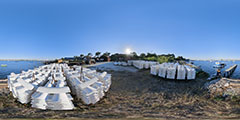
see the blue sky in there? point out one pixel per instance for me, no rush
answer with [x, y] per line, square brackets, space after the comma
[47, 29]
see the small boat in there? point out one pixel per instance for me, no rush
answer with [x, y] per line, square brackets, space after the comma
[3, 65]
[219, 65]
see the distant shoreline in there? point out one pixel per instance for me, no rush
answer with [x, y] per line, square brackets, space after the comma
[53, 59]
[215, 59]
[3, 79]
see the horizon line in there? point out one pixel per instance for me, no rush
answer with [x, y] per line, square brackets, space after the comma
[59, 58]
[26, 59]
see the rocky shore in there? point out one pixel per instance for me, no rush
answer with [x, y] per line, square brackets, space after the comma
[224, 87]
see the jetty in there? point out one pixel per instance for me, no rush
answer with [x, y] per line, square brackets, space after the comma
[228, 72]
[225, 74]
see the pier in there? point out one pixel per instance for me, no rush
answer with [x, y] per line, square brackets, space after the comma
[227, 73]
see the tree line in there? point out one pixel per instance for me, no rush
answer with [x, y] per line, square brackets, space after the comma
[149, 57]
[98, 56]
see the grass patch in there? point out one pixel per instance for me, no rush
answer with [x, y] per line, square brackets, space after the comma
[202, 74]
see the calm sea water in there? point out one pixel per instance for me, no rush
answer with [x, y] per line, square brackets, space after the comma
[207, 66]
[17, 67]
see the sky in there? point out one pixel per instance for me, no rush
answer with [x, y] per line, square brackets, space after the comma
[49, 29]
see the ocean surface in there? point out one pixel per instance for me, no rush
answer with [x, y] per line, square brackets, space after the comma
[207, 66]
[17, 67]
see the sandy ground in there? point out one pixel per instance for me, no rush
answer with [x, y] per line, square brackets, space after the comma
[108, 66]
[136, 94]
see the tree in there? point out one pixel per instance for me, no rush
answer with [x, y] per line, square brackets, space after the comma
[82, 56]
[142, 55]
[97, 54]
[179, 58]
[105, 56]
[134, 55]
[115, 57]
[89, 54]
[151, 55]
[76, 58]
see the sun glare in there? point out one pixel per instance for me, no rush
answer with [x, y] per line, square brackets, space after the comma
[128, 51]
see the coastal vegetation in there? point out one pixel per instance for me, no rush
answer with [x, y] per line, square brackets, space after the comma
[149, 57]
[101, 57]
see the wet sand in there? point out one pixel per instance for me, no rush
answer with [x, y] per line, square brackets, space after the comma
[136, 94]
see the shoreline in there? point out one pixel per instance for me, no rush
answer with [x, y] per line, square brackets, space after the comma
[23, 60]
[3, 83]
[3, 80]
[98, 63]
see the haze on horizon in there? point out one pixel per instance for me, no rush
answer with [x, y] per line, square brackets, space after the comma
[49, 29]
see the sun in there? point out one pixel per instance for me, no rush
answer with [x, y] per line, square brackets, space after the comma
[128, 51]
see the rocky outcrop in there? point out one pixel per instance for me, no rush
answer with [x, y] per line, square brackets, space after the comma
[224, 87]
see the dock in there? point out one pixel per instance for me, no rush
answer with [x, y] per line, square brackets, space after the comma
[227, 73]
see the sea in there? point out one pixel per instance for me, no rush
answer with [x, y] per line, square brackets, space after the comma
[17, 67]
[207, 66]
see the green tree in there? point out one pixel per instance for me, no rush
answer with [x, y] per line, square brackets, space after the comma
[142, 56]
[97, 54]
[75, 58]
[180, 58]
[134, 56]
[105, 56]
[151, 55]
[81, 56]
[89, 54]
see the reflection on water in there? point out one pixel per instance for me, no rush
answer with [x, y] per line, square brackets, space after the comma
[17, 67]
[207, 66]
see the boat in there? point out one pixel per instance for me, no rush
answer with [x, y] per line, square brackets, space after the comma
[219, 65]
[3, 65]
